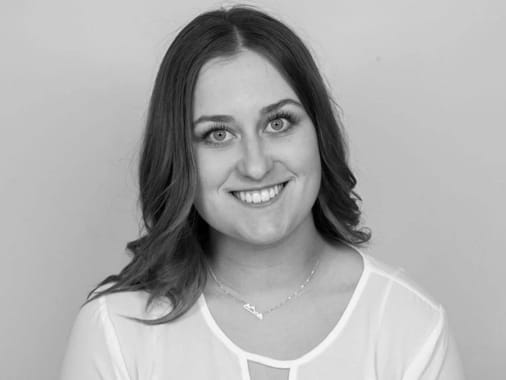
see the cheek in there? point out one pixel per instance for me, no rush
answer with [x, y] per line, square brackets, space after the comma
[212, 172]
[305, 153]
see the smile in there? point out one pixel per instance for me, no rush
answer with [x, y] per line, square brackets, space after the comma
[260, 197]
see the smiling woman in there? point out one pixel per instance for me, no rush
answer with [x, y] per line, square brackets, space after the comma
[267, 143]
[249, 267]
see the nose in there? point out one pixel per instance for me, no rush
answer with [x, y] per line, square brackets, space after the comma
[255, 161]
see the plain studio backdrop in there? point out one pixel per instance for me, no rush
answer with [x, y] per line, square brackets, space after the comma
[422, 89]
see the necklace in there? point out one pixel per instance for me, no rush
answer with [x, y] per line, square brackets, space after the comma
[251, 308]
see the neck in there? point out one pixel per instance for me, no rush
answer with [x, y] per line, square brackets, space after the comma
[260, 271]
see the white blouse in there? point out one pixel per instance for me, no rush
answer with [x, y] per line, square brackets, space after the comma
[391, 329]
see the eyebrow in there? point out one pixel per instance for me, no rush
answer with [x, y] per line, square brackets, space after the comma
[263, 111]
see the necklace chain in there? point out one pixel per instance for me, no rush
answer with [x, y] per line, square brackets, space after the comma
[251, 308]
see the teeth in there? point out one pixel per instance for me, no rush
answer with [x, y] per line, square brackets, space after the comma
[263, 195]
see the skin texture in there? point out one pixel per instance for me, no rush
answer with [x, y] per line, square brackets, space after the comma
[274, 245]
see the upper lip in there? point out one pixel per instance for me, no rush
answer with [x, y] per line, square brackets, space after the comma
[259, 187]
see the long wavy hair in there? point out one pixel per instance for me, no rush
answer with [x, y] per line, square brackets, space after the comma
[169, 259]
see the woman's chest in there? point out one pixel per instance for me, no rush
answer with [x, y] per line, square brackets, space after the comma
[286, 333]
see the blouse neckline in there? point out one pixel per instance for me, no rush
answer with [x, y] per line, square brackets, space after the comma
[312, 353]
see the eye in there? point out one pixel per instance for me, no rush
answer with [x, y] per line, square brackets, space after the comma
[278, 124]
[281, 121]
[217, 135]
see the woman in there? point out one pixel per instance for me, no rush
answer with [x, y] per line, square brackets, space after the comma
[243, 176]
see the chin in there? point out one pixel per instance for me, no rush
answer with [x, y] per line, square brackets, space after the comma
[263, 236]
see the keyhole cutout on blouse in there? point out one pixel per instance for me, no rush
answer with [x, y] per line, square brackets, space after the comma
[258, 371]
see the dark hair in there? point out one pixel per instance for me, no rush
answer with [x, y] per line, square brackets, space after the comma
[169, 259]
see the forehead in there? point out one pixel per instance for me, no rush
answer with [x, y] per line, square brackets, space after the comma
[246, 81]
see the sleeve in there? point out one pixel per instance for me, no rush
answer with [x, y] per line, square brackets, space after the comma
[437, 358]
[93, 350]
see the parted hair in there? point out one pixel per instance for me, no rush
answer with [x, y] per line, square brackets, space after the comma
[169, 259]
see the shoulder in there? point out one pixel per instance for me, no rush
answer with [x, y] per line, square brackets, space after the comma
[411, 326]
[408, 316]
[349, 267]
[393, 280]
[129, 304]
[105, 338]
[402, 290]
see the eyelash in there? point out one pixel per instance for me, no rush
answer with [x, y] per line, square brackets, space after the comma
[292, 119]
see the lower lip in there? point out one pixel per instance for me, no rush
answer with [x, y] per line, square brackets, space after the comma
[263, 204]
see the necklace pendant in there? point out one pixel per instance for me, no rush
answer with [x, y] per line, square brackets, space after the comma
[253, 311]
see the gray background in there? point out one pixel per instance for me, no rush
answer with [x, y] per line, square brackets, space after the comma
[421, 84]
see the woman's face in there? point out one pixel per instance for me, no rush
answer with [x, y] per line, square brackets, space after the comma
[256, 149]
